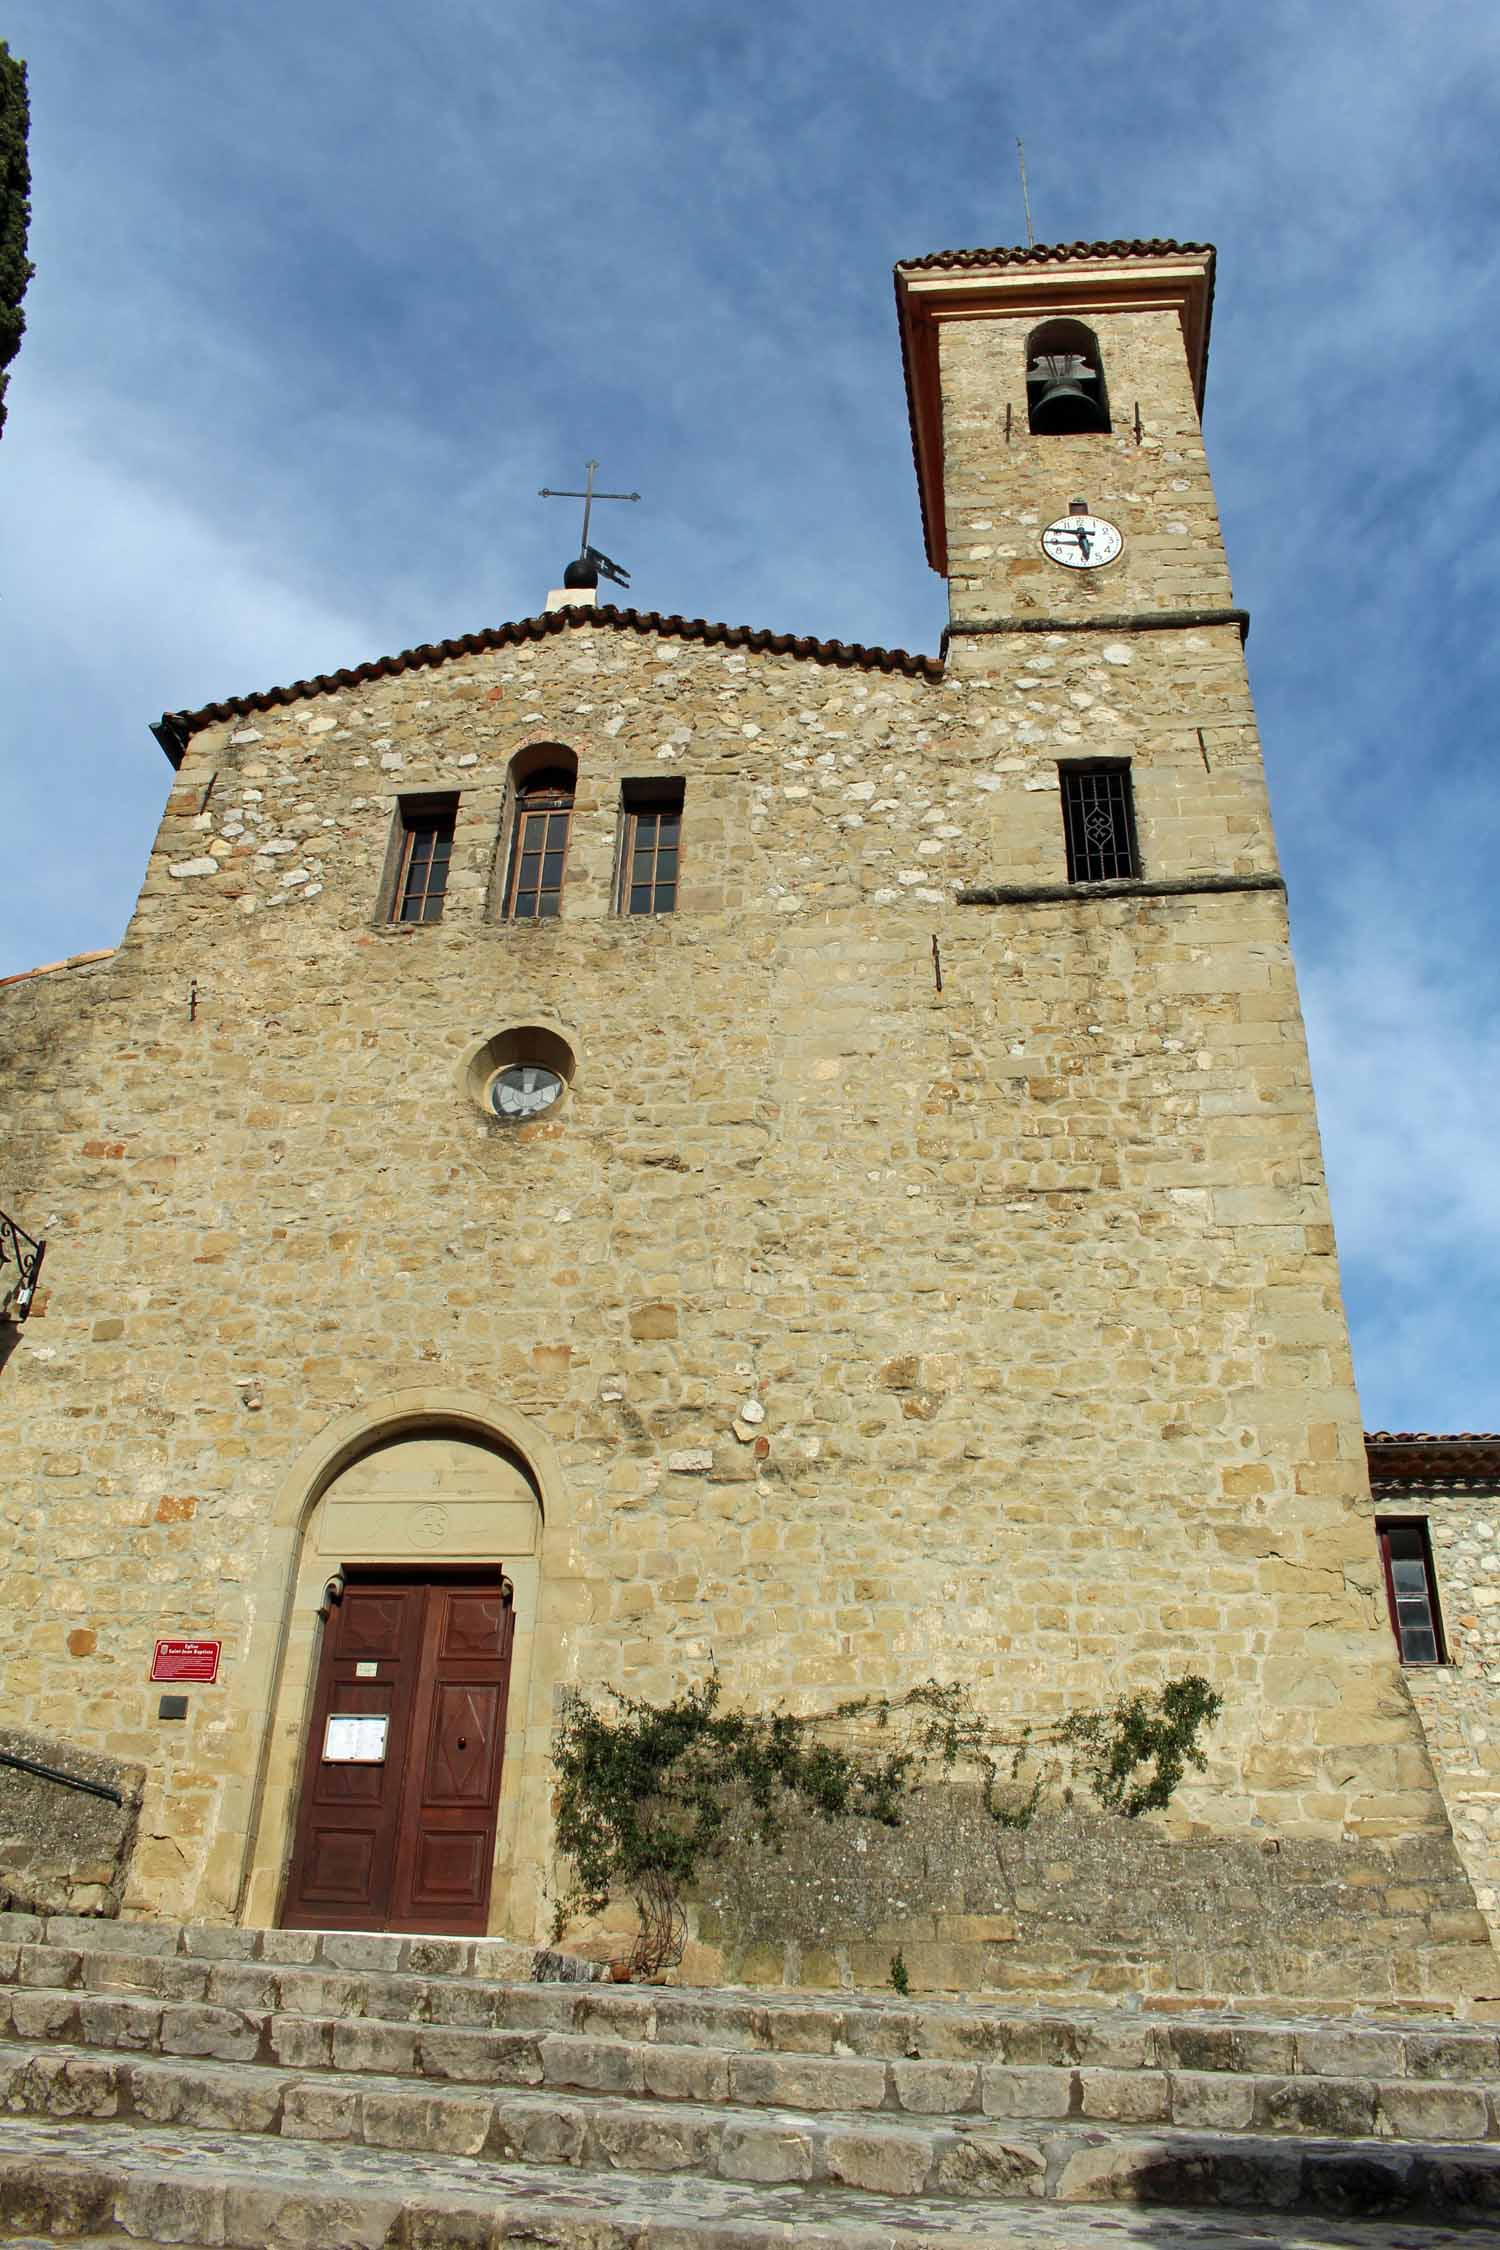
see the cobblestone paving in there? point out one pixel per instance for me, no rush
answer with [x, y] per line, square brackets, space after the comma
[222, 2192]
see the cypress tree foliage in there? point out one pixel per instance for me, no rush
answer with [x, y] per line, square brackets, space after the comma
[16, 268]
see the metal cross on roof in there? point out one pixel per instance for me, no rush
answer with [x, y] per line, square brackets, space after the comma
[586, 553]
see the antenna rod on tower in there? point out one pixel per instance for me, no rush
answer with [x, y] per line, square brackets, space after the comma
[1025, 194]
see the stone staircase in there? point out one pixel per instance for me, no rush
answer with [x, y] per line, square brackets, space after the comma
[163, 2083]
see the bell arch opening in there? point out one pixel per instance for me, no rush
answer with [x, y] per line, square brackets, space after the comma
[1065, 387]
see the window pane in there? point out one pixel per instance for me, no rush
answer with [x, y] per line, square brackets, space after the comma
[425, 835]
[1413, 1593]
[652, 819]
[539, 850]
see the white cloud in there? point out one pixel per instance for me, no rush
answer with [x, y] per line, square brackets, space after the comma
[325, 295]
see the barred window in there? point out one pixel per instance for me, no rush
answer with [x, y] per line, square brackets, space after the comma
[1099, 822]
[425, 836]
[650, 847]
[539, 845]
[1411, 1590]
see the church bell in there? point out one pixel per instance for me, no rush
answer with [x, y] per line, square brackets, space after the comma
[1063, 393]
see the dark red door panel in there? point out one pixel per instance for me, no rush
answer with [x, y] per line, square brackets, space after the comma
[405, 1842]
[448, 1826]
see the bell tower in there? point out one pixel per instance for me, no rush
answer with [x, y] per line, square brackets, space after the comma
[1042, 378]
[1093, 641]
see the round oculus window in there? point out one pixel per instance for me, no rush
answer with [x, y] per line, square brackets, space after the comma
[523, 1090]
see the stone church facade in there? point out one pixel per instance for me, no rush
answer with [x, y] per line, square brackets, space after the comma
[619, 1144]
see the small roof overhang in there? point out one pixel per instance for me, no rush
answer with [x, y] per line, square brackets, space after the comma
[1417, 1457]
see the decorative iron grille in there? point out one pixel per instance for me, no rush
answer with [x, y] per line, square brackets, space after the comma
[18, 1249]
[1099, 823]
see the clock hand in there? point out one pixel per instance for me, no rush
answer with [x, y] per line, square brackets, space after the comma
[1083, 541]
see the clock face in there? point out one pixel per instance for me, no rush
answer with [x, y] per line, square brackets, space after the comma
[524, 1090]
[1082, 542]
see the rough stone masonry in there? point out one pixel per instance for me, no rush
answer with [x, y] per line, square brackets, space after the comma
[834, 1328]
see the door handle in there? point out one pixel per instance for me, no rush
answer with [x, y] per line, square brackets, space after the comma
[463, 1742]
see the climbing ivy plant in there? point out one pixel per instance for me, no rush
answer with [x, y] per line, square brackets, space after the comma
[646, 1791]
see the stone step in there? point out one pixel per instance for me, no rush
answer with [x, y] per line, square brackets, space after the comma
[889, 2153]
[334, 1949]
[855, 2025]
[247, 2192]
[1341, 2080]
[1013, 2226]
[504, 1960]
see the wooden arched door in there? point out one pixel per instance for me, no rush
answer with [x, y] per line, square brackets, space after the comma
[401, 1774]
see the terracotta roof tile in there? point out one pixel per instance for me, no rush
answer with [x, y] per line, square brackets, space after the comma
[175, 728]
[1432, 1437]
[1426, 1456]
[1049, 254]
[46, 968]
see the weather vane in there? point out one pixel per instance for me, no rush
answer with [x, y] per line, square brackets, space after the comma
[591, 565]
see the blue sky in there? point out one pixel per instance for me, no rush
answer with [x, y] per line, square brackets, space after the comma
[326, 291]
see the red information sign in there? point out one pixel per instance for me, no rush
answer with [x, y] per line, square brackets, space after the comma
[187, 1660]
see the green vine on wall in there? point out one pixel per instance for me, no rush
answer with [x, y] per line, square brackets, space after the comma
[646, 1791]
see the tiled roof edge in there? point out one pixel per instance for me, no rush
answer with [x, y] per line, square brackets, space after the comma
[909, 377]
[1050, 254]
[1432, 1437]
[175, 728]
[1426, 1456]
[46, 968]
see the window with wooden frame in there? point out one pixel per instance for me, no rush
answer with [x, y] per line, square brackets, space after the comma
[650, 847]
[1099, 822]
[424, 847]
[1411, 1589]
[539, 844]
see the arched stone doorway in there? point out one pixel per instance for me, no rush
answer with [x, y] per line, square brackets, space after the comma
[445, 1506]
